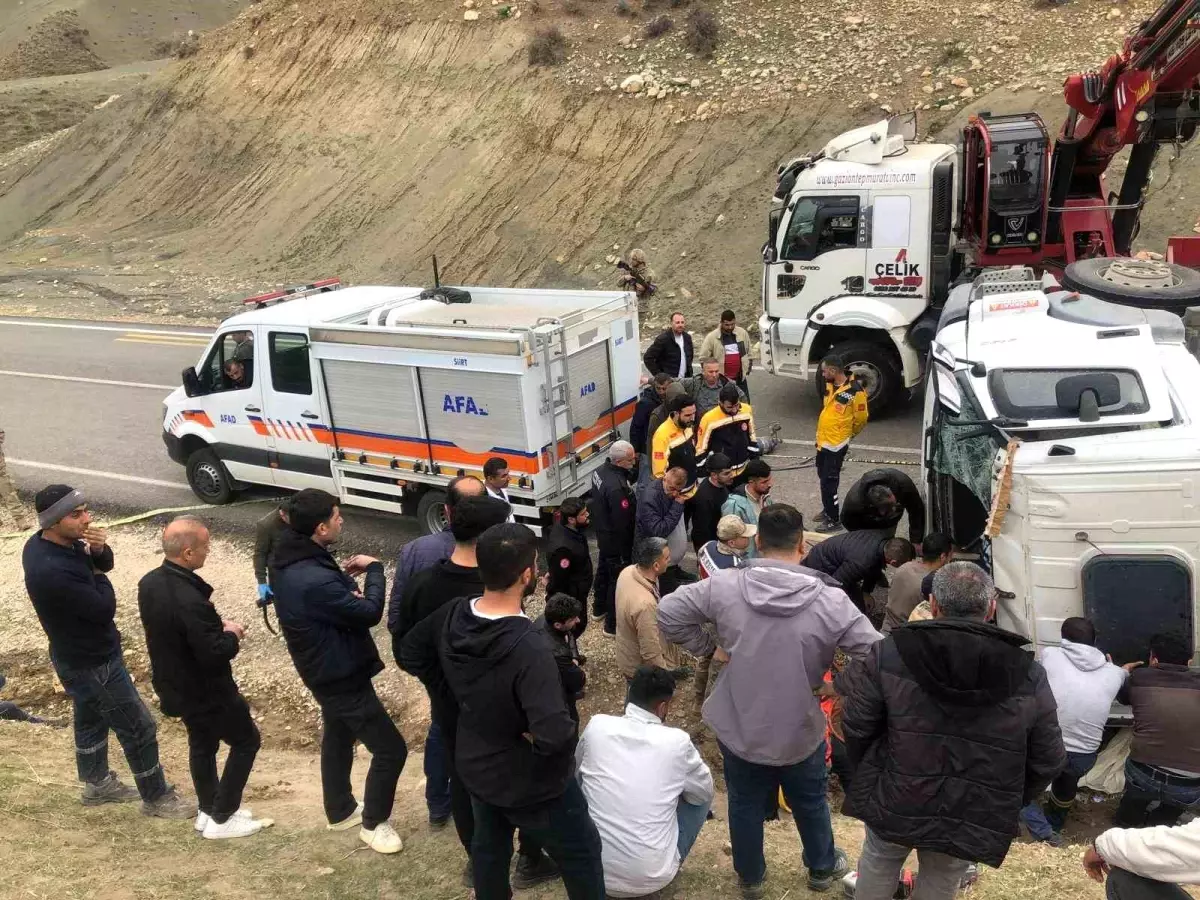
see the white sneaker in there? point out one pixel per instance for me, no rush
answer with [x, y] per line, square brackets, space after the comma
[234, 827]
[351, 821]
[202, 821]
[383, 839]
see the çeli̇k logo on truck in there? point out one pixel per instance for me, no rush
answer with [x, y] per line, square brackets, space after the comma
[899, 277]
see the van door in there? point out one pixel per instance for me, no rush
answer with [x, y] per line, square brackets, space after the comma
[293, 415]
[230, 377]
[821, 253]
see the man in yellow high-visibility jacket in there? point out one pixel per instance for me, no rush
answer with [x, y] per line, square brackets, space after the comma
[843, 416]
[673, 444]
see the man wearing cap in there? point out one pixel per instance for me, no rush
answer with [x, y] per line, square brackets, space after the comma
[65, 564]
[728, 551]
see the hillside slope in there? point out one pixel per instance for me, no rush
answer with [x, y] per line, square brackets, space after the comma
[360, 141]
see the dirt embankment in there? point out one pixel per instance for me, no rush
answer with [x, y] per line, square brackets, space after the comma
[305, 140]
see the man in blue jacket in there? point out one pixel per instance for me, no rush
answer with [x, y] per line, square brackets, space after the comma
[66, 564]
[326, 621]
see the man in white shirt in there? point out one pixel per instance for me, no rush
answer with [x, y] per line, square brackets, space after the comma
[1084, 683]
[497, 480]
[1146, 863]
[647, 788]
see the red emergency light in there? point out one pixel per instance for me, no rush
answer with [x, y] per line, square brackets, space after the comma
[300, 290]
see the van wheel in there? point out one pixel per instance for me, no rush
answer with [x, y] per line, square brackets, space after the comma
[431, 512]
[208, 477]
[876, 369]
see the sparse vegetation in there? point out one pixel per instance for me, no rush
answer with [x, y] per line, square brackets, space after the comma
[657, 27]
[676, 4]
[624, 9]
[950, 54]
[703, 33]
[548, 47]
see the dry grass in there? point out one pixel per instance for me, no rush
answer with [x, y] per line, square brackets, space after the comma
[657, 27]
[548, 47]
[702, 34]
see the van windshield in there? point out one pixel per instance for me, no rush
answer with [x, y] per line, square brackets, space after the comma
[1055, 393]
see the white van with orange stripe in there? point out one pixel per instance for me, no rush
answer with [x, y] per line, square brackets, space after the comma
[382, 395]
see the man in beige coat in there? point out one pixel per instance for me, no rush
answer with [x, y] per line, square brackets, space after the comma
[638, 641]
[730, 346]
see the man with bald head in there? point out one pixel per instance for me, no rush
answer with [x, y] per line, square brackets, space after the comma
[190, 649]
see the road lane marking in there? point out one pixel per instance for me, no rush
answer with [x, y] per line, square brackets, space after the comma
[874, 448]
[132, 384]
[29, 323]
[145, 339]
[95, 473]
[163, 338]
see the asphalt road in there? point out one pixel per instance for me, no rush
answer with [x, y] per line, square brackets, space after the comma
[82, 404]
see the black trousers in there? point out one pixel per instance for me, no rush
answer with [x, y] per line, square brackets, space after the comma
[1124, 885]
[359, 716]
[829, 473]
[206, 730]
[563, 826]
[604, 588]
[675, 577]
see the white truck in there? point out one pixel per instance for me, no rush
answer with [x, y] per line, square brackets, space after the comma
[1062, 446]
[859, 248]
[383, 395]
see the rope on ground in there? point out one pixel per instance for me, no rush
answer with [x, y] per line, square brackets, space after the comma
[141, 517]
[807, 462]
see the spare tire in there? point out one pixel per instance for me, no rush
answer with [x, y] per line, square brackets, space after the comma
[1144, 283]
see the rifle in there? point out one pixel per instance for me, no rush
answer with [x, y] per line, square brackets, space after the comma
[647, 286]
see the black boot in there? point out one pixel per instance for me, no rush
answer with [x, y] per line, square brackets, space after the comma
[534, 870]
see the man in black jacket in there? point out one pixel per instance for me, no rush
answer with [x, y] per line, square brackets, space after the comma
[559, 623]
[568, 558]
[614, 514]
[516, 738]
[653, 396]
[880, 499]
[951, 729]
[266, 536]
[671, 352]
[856, 560]
[326, 622]
[190, 648]
[66, 563]
[431, 595]
[704, 506]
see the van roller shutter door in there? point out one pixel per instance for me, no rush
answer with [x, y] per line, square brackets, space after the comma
[475, 411]
[591, 391]
[372, 397]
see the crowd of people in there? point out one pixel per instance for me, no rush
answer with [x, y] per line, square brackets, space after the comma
[942, 729]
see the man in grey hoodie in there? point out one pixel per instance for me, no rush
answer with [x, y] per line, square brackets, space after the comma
[777, 625]
[1084, 682]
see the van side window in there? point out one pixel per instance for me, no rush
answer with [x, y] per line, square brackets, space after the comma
[230, 365]
[290, 372]
[819, 225]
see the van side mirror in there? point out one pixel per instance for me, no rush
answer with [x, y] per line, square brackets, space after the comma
[191, 382]
[773, 220]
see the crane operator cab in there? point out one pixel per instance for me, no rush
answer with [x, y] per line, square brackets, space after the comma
[1006, 179]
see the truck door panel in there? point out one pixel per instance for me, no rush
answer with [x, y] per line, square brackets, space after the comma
[821, 254]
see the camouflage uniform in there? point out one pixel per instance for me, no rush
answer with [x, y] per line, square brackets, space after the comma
[637, 262]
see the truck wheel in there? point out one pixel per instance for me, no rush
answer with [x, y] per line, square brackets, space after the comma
[874, 367]
[1144, 283]
[431, 512]
[208, 477]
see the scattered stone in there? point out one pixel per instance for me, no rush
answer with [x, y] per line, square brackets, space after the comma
[720, 219]
[959, 82]
[633, 84]
[471, 15]
[967, 93]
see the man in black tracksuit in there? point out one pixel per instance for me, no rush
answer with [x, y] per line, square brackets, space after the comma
[568, 558]
[856, 560]
[266, 536]
[516, 737]
[613, 510]
[880, 499]
[190, 648]
[704, 506]
[326, 622]
[426, 599]
[562, 616]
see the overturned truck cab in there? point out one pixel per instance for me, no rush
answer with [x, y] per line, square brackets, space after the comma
[1062, 450]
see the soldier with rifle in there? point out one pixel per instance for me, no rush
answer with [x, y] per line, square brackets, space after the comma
[636, 275]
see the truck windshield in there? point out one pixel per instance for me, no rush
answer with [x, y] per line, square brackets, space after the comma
[1016, 173]
[1054, 393]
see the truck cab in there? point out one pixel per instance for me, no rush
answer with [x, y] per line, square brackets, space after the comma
[1062, 451]
[860, 245]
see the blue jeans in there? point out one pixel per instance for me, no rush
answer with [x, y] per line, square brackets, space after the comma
[437, 774]
[752, 785]
[104, 698]
[1154, 797]
[691, 819]
[1043, 823]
